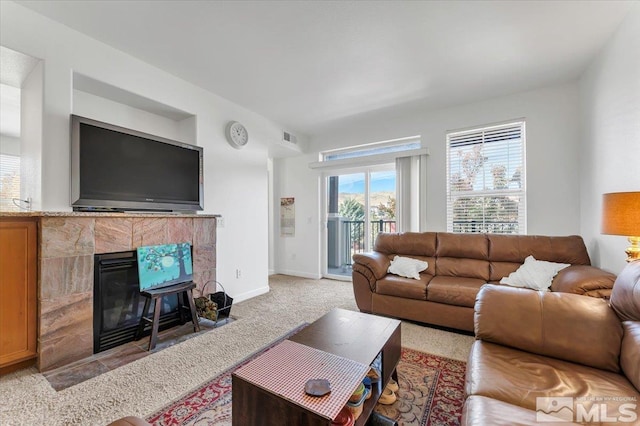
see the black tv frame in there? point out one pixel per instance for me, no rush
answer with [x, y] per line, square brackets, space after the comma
[84, 204]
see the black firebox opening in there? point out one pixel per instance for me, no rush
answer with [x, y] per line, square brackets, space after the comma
[117, 303]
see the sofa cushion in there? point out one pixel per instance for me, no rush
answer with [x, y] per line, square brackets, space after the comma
[408, 243]
[499, 270]
[458, 291]
[470, 268]
[469, 246]
[508, 252]
[515, 248]
[518, 377]
[630, 352]
[393, 285]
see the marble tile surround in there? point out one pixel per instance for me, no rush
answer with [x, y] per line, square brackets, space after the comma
[67, 246]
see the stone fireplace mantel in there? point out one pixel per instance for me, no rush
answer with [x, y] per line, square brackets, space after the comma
[67, 244]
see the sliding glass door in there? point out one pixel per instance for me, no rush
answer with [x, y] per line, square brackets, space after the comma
[360, 204]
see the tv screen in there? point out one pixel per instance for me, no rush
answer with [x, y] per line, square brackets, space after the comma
[164, 265]
[113, 168]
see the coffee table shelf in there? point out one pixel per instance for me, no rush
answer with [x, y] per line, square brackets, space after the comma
[267, 395]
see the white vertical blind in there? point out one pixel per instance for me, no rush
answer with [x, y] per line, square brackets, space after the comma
[9, 181]
[403, 193]
[486, 190]
[422, 194]
[411, 193]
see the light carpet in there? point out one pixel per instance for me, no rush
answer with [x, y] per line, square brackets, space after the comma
[145, 386]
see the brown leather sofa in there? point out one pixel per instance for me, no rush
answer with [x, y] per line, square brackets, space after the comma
[130, 421]
[459, 264]
[532, 344]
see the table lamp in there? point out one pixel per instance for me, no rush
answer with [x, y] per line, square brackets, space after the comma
[621, 216]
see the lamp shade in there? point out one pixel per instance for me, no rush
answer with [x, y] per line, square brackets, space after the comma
[621, 213]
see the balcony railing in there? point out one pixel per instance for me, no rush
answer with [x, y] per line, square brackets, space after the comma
[353, 235]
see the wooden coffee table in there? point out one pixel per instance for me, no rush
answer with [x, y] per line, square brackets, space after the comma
[352, 335]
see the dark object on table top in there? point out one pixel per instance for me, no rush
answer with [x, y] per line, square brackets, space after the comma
[317, 387]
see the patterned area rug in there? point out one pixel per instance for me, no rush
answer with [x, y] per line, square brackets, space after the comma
[431, 393]
[431, 390]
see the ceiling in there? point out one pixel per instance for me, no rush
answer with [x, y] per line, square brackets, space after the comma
[309, 64]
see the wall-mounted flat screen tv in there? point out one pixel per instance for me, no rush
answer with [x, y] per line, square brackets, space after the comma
[119, 169]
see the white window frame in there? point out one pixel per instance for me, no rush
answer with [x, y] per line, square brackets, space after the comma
[362, 155]
[480, 131]
[390, 146]
[364, 159]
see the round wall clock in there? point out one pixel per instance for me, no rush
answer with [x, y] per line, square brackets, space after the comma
[237, 134]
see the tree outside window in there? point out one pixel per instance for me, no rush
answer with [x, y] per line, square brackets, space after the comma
[486, 187]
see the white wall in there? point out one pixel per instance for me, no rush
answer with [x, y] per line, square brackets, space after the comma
[31, 145]
[98, 108]
[271, 218]
[235, 181]
[610, 149]
[552, 121]
[300, 254]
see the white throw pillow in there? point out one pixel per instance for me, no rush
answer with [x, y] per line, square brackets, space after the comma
[407, 267]
[535, 274]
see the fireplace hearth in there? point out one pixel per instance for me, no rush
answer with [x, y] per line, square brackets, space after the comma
[117, 303]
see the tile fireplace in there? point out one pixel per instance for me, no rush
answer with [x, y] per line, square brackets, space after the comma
[68, 243]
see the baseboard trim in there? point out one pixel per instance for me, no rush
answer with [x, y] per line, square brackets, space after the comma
[299, 274]
[345, 278]
[250, 294]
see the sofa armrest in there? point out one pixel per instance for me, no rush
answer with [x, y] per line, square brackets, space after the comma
[567, 326]
[630, 352]
[585, 280]
[376, 262]
[129, 421]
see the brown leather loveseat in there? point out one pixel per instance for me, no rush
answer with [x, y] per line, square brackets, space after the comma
[459, 264]
[541, 354]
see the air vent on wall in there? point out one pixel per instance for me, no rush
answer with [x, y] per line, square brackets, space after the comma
[288, 137]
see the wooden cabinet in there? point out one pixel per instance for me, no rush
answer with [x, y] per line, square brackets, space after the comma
[18, 286]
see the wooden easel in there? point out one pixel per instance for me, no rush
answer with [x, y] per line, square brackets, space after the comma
[184, 290]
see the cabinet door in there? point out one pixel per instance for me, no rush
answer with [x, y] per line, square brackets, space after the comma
[18, 267]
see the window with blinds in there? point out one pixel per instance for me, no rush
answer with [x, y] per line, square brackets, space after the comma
[486, 185]
[9, 181]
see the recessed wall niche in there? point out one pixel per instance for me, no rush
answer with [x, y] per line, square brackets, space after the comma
[104, 102]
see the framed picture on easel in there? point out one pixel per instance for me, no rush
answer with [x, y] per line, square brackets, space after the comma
[164, 265]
